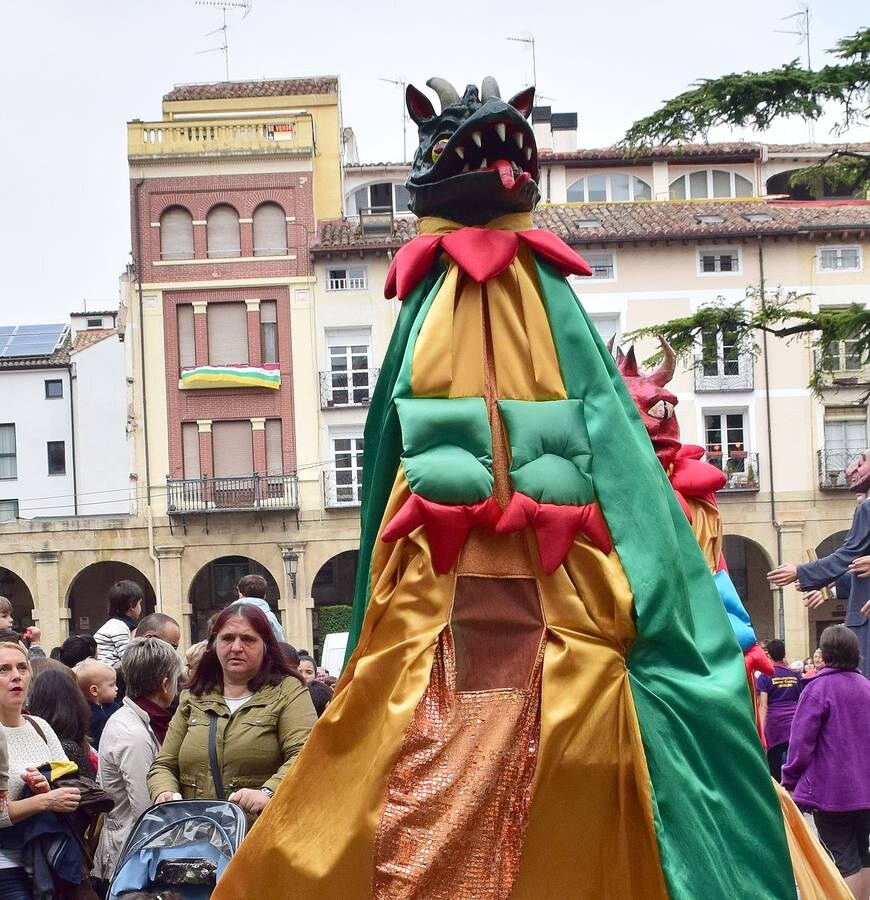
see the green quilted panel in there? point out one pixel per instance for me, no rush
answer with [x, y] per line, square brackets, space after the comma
[447, 448]
[550, 455]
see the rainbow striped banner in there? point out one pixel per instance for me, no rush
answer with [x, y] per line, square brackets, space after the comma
[230, 376]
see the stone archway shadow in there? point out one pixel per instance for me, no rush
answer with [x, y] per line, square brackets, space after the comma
[15, 589]
[86, 597]
[748, 565]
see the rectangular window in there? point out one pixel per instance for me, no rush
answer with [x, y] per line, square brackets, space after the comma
[596, 187]
[403, 198]
[602, 265]
[274, 452]
[186, 336]
[718, 260]
[347, 457]
[233, 448]
[8, 510]
[845, 438]
[190, 449]
[720, 353]
[842, 356]
[606, 324]
[56, 457]
[95, 323]
[227, 334]
[380, 196]
[353, 278]
[725, 435]
[8, 453]
[349, 370]
[53, 389]
[839, 259]
[269, 331]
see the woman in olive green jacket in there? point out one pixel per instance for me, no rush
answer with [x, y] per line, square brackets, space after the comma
[262, 715]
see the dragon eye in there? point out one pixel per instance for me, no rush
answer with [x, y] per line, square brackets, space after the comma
[438, 149]
[661, 410]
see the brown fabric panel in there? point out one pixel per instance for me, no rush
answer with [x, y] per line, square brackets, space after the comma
[190, 449]
[497, 628]
[227, 334]
[233, 448]
[186, 336]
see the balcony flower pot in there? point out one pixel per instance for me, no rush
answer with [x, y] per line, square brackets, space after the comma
[833, 478]
[737, 454]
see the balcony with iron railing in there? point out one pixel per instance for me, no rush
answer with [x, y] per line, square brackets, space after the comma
[286, 136]
[722, 374]
[341, 489]
[832, 468]
[241, 493]
[740, 468]
[342, 389]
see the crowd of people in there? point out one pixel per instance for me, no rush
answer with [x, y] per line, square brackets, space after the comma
[108, 725]
[816, 721]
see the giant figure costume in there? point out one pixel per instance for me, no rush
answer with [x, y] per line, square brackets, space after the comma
[546, 699]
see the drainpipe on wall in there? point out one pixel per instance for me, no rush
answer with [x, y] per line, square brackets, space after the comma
[780, 613]
[70, 368]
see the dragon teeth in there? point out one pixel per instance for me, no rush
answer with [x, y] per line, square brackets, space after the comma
[475, 136]
[518, 139]
[465, 168]
[528, 152]
[500, 131]
[483, 163]
[460, 152]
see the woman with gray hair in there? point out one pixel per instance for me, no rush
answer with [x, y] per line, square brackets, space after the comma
[131, 739]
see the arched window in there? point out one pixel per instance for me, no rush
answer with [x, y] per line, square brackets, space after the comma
[270, 230]
[710, 183]
[613, 188]
[176, 233]
[224, 238]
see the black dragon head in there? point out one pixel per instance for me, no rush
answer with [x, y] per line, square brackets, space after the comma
[477, 159]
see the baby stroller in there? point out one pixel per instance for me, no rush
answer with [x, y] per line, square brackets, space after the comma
[182, 846]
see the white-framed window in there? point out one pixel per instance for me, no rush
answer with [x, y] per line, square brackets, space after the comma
[269, 331]
[845, 438]
[606, 324]
[608, 188]
[718, 260]
[842, 356]
[710, 183]
[839, 259]
[350, 378]
[384, 196]
[720, 353]
[8, 510]
[8, 452]
[603, 264]
[347, 470]
[726, 438]
[350, 278]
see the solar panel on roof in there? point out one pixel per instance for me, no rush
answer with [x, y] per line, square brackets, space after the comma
[30, 340]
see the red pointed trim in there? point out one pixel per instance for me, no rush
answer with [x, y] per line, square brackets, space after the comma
[446, 526]
[691, 477]
[555, 527]
[482, 253]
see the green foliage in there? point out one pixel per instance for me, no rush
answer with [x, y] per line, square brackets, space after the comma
[332, 620]
[780, 314]
[756, 99]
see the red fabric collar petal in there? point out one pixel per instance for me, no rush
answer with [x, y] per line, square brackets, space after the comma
[556, 251]
[482, 253]
[410, 265]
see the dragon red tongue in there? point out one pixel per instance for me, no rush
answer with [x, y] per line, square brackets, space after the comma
[505, 172]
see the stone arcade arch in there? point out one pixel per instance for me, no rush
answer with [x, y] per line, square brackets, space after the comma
[15, 589]
[748, 564]
[834, 611]
[214, 587]
[332, 592]
[86, 597]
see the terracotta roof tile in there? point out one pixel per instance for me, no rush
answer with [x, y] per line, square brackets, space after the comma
[226, 90]
[89, 336]
[798, 149]
[336, 234]
[664, 151]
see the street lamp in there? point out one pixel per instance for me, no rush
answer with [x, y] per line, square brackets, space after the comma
[291, 566]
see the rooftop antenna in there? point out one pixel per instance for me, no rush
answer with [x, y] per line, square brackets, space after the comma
[223, 6]
[400, 83]
[531, 42]
[802, 23]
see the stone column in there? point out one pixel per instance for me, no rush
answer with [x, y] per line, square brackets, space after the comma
[200, 331]
[173, 601]
[49, 613]
[294, 609]
[796, 634]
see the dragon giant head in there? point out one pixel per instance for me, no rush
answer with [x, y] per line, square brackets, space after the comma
[477, 158]
[654, 403]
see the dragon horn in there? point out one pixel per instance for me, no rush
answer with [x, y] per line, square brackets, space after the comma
[629, 364]
[447, 94]
[489, 88]
[610, 344]
[665, 370]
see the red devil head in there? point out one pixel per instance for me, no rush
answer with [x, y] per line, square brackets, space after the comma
[653, 402]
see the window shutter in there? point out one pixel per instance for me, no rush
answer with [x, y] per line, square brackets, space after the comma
[233, 448]
[274, 456]
[176, 234]
[224, 237]
[186, 338]
[190, 449]
[270, 230]
[227, 334]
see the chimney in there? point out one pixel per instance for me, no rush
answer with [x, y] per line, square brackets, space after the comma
[564, 127]
[541, 127]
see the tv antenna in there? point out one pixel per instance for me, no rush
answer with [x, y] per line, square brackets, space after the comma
[223, 6]
[531, 42]
[401, 83]
[802, 32]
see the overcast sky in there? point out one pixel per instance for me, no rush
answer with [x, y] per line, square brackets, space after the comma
[75, 72]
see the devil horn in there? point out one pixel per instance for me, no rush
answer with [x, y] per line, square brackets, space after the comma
[620, 357]
[610, 343]
[629, 365]
[489, 88]
[447, 94]
[665, 370]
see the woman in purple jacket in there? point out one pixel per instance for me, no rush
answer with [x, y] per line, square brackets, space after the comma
[827, 768]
